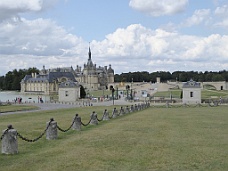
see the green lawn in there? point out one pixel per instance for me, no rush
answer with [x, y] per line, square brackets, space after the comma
[99, 93]
[206, 94]
[166, 94]
[152, 139]
[13, 108]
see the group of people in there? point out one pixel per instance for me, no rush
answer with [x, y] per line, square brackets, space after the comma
[18, 100]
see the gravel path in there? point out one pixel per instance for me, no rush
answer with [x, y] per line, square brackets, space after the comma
[53, 106]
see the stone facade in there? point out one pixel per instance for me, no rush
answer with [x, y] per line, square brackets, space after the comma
[69, 91]
[47, 81]
[191, 92]
[93, 77]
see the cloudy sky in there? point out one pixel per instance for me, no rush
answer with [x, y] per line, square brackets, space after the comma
[132, 35]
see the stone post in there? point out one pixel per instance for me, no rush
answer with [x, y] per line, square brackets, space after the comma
[167, 104]
[127, 109]
[139, 106]
[121, 111]
[52, 132]
[77, 123]
[132, 108]
[114, 113]
[136, 107]
[9, 141]
[93, 118]
[106, 115]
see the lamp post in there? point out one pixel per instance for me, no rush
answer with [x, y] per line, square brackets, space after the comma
[131, 89]
[127, 88]
[113, 90]
[117, 95]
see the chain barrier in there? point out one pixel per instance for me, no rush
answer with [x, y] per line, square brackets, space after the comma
[100, 119]
[66, 129]
[41, 135]
[4, 133]
[36, 139]
[184, 105]
[8, 128]
[111, 115]
[87, 123]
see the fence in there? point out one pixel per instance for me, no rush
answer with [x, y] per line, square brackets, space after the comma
[9, 136]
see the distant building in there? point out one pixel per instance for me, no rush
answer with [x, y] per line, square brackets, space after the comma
[45, 83]
[48, 80]
[191, 92]
[69, 91]
[93, 77]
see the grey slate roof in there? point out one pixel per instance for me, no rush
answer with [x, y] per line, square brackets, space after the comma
[191, 84]
[50, 77]
[68, 84]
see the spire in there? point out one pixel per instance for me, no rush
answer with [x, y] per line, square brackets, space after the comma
[89, 52]
[89, 63]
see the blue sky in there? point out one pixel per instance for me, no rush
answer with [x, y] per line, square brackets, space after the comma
[132, 35]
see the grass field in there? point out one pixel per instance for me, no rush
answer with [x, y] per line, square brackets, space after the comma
[13, 108]
[205, 94]
[152, 139]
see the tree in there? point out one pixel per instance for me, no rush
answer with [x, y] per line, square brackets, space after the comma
[82, 92]
[217, 77]
[11, 81]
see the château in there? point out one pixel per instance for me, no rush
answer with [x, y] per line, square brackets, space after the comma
[47, 81]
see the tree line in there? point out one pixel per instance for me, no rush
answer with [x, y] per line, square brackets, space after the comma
[11, 81]
[181, 76]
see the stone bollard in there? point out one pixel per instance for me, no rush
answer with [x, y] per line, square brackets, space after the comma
[52, 132]
[9, 141]
[121, 111]
[77, 123]
[132, 108]
[93, 118]
[167, 104]
[139, 107]
[114, 113]
[106, 115]
[127, 109]
[136, 107]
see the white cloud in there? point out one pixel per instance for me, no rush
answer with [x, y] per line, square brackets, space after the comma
[199, 16]
[159, 7]
[221, 14]
[37, 37]
[222, 11]
[137, 47]
[34, 43]
[12, 8]
[134, 48]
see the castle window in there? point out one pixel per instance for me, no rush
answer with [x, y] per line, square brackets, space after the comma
[66, 93]
[191, 94]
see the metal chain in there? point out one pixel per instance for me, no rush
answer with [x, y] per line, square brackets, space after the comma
[113, 113]
[4, 133]
[8, 128]
[100, 119]
[87, 123]
[66, 129]
[36, 139]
